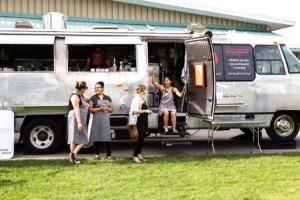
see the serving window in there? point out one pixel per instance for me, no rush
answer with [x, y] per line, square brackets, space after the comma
[102, 53]
[26, 58]
[26, 53]
[102, 58]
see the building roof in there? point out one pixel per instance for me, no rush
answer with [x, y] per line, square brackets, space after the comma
[272, 23]
[7, 21]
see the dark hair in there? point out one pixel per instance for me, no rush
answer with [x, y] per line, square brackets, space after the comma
[100, 83]
[168, 77]
[80, 85]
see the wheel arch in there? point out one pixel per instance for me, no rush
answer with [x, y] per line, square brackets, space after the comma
[60, 121]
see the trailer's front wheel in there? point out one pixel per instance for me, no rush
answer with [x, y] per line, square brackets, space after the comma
[283, 127]
[41, 136]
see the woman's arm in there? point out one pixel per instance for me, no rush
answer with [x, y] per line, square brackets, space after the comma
[94, 110]
[156, 84]
[110, 109]
[179, 93]
[75, 102]
[136, 107]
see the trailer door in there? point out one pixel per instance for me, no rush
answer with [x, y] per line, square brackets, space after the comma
[200, 67]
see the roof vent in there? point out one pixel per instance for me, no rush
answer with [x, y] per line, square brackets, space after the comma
[129, 28]
[105, 28]
[198, 30]
[55, 20]
[150, 28]
[23, 24]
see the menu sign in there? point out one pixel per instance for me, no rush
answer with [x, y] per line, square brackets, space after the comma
[6, 134]
[238, 62]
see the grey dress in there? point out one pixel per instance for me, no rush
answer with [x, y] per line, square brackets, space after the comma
[100, 128]
[74, 136]
[167, 101]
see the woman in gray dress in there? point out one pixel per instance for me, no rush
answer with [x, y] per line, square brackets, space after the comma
[100, 107]
[77, 118]
[167, 100]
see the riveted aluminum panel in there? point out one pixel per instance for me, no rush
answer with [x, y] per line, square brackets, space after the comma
[201, 99]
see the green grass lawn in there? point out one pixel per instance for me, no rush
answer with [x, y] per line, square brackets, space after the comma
[265, 176]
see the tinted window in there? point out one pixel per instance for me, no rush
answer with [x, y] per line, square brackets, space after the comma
[268, 60]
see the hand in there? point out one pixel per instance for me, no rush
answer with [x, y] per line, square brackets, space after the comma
[184, 87]
[80, 127]
[149, 111]
[154, 70]
[105, 108]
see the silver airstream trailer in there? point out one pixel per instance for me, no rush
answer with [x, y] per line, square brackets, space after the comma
[38, 70]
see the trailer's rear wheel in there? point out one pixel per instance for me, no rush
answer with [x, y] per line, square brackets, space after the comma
[283, 127]
[41, 136]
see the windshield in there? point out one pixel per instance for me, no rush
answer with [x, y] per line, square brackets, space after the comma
[292, 61]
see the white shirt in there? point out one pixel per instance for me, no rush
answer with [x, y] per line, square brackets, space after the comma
[136, 105]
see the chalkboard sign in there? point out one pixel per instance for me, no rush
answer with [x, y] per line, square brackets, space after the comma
[218, 55]
[238, 62]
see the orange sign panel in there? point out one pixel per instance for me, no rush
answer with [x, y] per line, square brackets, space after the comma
[199, 74]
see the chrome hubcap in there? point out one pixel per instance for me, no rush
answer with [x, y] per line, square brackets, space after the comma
[284, 125]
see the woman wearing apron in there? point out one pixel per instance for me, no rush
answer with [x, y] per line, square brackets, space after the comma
[167, 100]
[77, 118]
[138, 115]
[100, 107]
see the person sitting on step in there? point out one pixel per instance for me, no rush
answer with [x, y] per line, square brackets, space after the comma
[167, 100]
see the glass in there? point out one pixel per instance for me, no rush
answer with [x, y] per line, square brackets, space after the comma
[291, 59]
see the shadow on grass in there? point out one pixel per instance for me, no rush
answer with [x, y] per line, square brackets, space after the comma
[4, 183]
[150, 160]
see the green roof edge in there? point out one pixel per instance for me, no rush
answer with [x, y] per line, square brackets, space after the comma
[133, 22]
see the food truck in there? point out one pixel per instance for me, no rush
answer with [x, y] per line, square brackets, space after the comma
[226, 74]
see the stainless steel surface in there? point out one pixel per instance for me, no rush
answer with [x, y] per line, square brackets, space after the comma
[54, 20]
[47, 93]
[202, 99]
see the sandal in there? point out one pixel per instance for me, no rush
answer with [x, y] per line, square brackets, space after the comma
[97, 157]
[166, 129]
[143, 160]
[136, 160]
[110, 158]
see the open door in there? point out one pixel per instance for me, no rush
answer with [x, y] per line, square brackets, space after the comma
[200, 70]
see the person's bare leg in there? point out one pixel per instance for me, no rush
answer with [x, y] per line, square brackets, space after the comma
[166, 120]
[78, 149]
[173, 120]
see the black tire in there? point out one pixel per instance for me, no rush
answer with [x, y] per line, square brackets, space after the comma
[247, 131]
[284, 127]
[42, 136]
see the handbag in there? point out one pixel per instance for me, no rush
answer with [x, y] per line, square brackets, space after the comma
[132, 129]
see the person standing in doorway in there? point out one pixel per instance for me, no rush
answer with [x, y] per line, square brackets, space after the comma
[100, 106]
[77, 119]
[138, 115]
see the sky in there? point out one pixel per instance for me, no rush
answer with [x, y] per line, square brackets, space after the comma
[286, 9]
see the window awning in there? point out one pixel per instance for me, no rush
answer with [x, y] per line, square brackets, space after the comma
[26, 39]
[103, 40]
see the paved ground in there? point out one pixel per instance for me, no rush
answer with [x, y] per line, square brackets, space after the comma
[226, 142]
